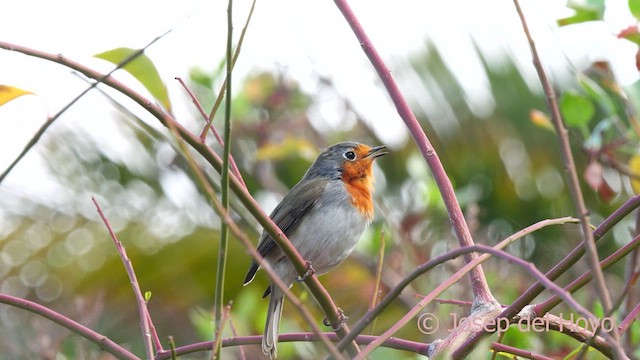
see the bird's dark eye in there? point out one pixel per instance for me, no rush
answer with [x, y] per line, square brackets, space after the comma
[350, 155]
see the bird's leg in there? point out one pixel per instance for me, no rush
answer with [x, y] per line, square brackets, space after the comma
[341, 317]
[310, 271]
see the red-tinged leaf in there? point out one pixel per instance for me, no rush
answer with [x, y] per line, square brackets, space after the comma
[8, 93]
[605, 192]
[593, 175]
[143, 69]
[631, 33]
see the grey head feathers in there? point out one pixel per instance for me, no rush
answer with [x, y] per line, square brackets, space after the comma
[329, 163]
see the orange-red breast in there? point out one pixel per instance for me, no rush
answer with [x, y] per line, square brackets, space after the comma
[323, 216]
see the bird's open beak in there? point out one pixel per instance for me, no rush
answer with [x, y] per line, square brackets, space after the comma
[377, 151]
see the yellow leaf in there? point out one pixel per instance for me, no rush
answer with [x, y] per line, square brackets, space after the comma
[540, 119]
[8, 93]
[634, 166]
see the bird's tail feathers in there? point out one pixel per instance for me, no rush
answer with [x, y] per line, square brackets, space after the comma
[270, 335]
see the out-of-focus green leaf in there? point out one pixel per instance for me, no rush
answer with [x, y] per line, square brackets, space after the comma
[8, 93]
[586, 10]
[595, 140]
[201, 77]
[143, 69]
[576, 109]
[579, 17]
[587, 5]
[597, 94]
[202, 321]
[634, 7]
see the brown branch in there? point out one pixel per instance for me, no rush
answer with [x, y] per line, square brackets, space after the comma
[481, 291]
[145, 318]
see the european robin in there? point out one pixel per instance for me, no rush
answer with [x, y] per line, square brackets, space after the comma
[323, 216]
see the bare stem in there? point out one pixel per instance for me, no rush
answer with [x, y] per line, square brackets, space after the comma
[142, 304]
[561, 267]
[370, 315]
[572, 175]
[224, 191]
[216, 105]
[497, 347]
[394, 343]
[100, 340]
[583, 279]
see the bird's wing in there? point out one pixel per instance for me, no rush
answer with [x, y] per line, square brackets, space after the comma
[300, 200]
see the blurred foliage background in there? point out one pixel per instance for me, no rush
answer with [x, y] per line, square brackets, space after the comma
[504, 164]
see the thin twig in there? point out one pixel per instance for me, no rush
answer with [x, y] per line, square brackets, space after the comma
[172, 348]
[217, 338]
[497, 347]
[560, 268]
[145, 319]
[216, 105]
[235, 334]
[198, 106]
[100, 340]
[527, 266]
[394, 343]
[547, 305]
[571, 173]
[369, 316]
[223, 242]
[634, 315]
[375, 295]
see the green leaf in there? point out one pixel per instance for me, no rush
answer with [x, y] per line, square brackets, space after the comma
[597, 94]
[634, 7]
[143, 69]
[587, 5]
[147, 296]
[586, 10]
[8, 93]
[201, 77]
[576, 109]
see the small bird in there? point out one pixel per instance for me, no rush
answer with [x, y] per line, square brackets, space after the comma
[323, 216]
